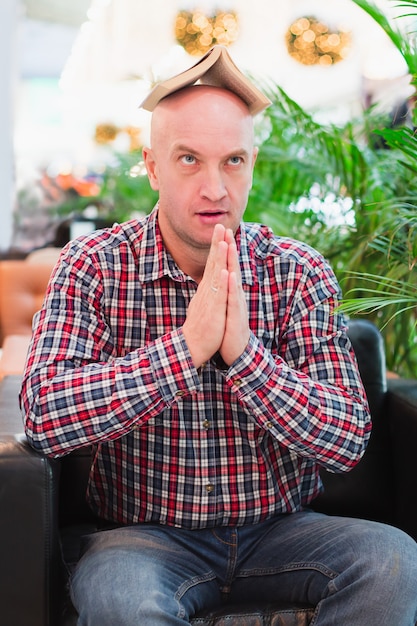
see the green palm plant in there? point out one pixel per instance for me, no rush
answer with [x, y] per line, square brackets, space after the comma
[321, 170]
[404, 42]
[393, 295]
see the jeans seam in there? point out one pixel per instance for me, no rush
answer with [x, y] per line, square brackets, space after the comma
[231, 564]
[192, 582]
[270, 571]
[189, 584]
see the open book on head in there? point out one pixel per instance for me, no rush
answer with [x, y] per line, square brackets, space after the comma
[214, 68]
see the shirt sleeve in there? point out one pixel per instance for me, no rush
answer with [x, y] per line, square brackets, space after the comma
[76, 390]
[308, 393]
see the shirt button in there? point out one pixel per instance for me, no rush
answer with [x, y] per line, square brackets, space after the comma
[206, 424]
[209, 488]
[269, 424]
[237, 382]
[179, 394]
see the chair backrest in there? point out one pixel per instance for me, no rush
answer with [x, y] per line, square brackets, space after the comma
[362, 492]
[45, 256]
[22, 289]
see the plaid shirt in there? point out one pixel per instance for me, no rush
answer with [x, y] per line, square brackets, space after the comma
[109, 366]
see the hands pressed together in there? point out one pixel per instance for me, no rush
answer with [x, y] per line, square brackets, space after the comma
[217, 317]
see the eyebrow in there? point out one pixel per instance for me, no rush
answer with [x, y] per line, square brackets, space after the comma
[187, 149]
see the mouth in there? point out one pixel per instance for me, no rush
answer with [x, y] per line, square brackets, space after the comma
[211, 214]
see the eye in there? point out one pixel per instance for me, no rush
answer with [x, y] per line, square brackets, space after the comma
[235, 160]
[188, 159]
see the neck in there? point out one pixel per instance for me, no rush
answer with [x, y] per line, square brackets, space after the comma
[190, 256]
[191, 262]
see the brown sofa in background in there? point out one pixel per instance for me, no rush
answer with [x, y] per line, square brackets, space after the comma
[23, 284]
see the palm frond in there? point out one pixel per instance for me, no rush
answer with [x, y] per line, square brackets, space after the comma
[386, 292]
[405, 45]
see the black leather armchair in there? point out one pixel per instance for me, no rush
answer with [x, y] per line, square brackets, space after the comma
[43, 512]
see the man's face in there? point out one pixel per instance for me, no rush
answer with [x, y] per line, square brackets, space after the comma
[201, 163]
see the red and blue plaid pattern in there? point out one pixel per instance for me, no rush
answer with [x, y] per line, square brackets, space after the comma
[109, 367]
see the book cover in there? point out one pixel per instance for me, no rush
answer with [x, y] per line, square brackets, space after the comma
[215, 68]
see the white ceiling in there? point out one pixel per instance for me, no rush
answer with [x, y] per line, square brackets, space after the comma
[48, 29]
[69, 12]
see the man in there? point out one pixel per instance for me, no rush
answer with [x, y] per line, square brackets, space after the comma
[205, 361]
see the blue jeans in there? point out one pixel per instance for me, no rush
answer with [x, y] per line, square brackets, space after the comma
[355, 572]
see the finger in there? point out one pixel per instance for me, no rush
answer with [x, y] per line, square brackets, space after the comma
[236, 304]
[206, 319]
[229, 236]
[217, 259]
[219, 233]
[233, 264]
[237, 330]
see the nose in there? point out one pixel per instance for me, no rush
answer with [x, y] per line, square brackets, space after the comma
[213, 187]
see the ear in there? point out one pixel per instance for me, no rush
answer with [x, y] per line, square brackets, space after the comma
[151, 167]
[254, 157]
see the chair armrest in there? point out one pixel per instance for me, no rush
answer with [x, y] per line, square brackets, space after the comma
[402, 416]
[30, 563]
[13, 355]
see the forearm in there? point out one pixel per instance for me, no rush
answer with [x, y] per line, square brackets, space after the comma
[67, 406]
[325, 419]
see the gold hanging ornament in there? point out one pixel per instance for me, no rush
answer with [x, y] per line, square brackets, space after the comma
[311, 42]
[197, 32]
[107, 133]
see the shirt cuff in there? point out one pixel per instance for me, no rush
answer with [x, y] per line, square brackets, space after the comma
[253, 369]
[173, 367]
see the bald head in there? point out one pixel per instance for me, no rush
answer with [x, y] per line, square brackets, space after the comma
[201, 106]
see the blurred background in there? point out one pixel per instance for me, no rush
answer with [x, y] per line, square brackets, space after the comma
[338, 151]
[75, 72]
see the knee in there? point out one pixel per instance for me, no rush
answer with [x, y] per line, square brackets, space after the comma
[398, 552]
[95, 590]
[389, 555]
[107, 590]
